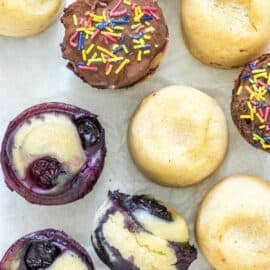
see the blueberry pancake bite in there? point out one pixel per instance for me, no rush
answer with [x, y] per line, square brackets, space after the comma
[46, 250]
[250, 107]
[141, 233]
[53, 153]
[114, 43]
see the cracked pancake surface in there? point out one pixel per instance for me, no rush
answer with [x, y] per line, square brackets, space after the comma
[232, 226]
[225, 33]
[178, 136]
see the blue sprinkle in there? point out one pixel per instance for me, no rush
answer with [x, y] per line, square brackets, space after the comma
[268, 88]
[251, 66]
[118, 49]
[80, 64]
[147, 18]
[267, 139]
[246, 76]
[260, 104]
[120, 21]
[122, 39]
[146, 47]
[257, 144]
[138, 36]
[81, 41]
[102, 25]
[126, 17]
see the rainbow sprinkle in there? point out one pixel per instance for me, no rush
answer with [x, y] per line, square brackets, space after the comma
[256, 84]
[102, 38]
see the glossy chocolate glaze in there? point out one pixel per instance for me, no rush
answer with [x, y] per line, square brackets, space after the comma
[63, 242]
[133, 72]
[127, 204]
[77, 187]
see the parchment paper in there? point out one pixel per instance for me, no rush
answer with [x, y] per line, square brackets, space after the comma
[32, 71]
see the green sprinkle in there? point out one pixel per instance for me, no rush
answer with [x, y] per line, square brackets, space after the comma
[125, 49]
[134, 26]
[257, 137]
[119, 28]
[256, 71]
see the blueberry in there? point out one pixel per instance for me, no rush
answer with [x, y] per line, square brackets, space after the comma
[88, 131]
[44, 171]
[41, 254]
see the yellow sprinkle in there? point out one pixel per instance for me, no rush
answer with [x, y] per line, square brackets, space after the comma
[122, 65]
[126, 2]
[244, 116]
[106, 51]
[89, 62]
[104, 15]
[109, 70]
[147, 23]
[239, 91]
[139, 56]
[90, 48]
[109, 29]
[260, 118]
[136, 41]
[75, 19]
[146, 52]
[111, 34]
[265, 146]
[87, 36]
[149, 30]
[268, 82]
[103, 58]
[147, 37]
[116, 59]
[261, 75]
[115, 46]
[84, 58]
[262, 127]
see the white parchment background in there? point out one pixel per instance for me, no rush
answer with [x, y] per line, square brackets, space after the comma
[32, 71]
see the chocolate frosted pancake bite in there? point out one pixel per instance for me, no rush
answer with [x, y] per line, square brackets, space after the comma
[46, 250]
[250, 107]
[141, 233]
[114, 43]
[53, 153]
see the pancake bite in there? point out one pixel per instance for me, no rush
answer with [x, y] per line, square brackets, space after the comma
[250, 105]
[140, 233]
[178, 136]
[48, 250]
[233, 224]
[53, 153]
[225, 33]
[24, 18]
[114, 43]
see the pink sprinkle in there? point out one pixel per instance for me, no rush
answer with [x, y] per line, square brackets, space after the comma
[149, 8]
[88, 68]
[267, 110]
[115, 7]
[103, 4]
[109, 37]
[72, 41]
[107, 66]
[267, 128]
[81, 21]
[253, 102]
[89, 22]
[154, 15]
[260, 83]
[106, 40]
[134, 5]
[261, 112]
[148, 13]
[139, 29]
[95, 34]
[118, 13]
